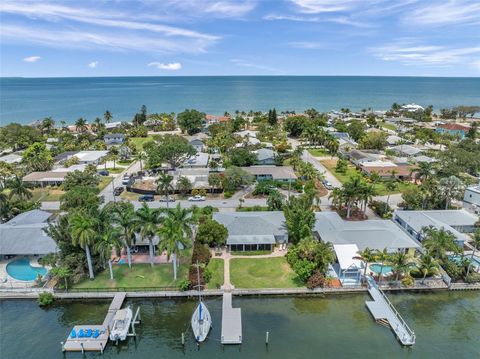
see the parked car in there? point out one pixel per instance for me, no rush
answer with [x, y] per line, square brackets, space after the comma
[126, 180]
[327, 185]
[196, 198]
[103, 173]
[164, 199]
[118, 191]
[146, 198]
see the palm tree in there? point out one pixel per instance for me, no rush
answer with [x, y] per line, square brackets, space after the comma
[83, 232]
[366, 256]
[366, 194]
[438, 242]
[336, 196]
[424, 170]
[452, 187]
[141, 156]
[390, 186]
[105, 244]
[124, 217]
[164, 185]
[475, 245]
[184, 185]
[374, 178]
[427, 265]
[214, 181]
[275, 201]
[149, 220]
[19, 189]
[61, 272]
[107, 116]
[171, 238]
[47, 125]
[382, 257]
[183, 218]
[81, 125]
[401, 263]
[351, 191]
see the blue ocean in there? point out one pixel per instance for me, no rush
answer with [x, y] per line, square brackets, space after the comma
[26, 100]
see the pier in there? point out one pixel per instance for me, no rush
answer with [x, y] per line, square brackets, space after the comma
[231, 322]
[385, 314]
[95, 344]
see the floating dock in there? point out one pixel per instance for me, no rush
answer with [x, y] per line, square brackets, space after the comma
[385, 314]
[231, 322]
[95, 344]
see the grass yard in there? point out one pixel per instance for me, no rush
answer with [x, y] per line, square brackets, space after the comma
[252, 209]
[47, 194]
[319, 152]
[104, 182]
[124, 162]
[263, 273]
[216, 267]
[116, 170]
[380, 187]
[389, 126]
[140, 275]
[250, 253]
[140, 141]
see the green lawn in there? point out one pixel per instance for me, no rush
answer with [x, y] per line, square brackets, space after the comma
[389, 126]
[104, 181]
[216, 266]
[252, 209]
[46, 194]
[116, 170]
[125, 162]
[262, 273]
[140, 275]
[140, 141]
[381, 190]
[319, 152]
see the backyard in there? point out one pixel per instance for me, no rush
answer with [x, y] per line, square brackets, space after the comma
[262, 273]
[140, 141]
[319, 152]
[140, 275]
[216, 268]
[380, 187]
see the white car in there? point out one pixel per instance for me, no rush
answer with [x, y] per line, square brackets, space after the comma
[196, 198]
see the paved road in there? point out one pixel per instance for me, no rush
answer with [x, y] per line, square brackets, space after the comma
[307, 157]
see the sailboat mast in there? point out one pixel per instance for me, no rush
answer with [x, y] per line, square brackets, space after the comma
[198, 282]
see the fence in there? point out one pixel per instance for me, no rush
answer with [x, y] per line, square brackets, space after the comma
[119, 289]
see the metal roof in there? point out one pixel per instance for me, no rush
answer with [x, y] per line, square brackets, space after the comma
[374, 234]
[30, 217]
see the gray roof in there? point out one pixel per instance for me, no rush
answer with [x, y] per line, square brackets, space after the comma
[252, 227]
[374, 234]
[265, 154]
[444, 218]
[30, 217]
[277, 172]
[406, 149]
[11, 158]
[24, 235]
[114, 135]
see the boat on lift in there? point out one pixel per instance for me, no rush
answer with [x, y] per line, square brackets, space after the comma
[121, 324]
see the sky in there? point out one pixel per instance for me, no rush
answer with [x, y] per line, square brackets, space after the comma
[249, 37]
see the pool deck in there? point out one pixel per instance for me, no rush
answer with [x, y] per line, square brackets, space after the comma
[6, 281]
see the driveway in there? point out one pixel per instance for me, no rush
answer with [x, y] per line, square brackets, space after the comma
[307, 157]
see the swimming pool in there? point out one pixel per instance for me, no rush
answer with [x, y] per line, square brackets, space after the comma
[21, 269]
[377, 267]
[475, 261]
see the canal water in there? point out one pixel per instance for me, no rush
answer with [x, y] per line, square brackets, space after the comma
[447, 325]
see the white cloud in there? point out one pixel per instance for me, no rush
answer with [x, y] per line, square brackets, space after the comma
[321, 6]
[93, 64]
[105, 41]
[173, 66]
[410, 52]
[244, 63]
[230, 8]
[32, 59]
[446, 13]
[306, 45]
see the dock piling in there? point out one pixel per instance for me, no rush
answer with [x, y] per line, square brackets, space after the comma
[183, 339]
[266, 337]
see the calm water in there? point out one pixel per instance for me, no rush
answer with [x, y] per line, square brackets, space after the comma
[26, 100]
[447, 326]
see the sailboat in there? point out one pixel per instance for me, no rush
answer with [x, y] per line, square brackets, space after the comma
[201, 318]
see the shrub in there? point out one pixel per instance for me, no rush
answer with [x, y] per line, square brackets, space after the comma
[452, 268]
[381, 208]
[48, 260]
[201, 253]
[473, 277]
[212, 233]
[184, 285]
[316, 280]
[304, 269]
[193, 276]
[207, 275]
[227, 194]
[408, 281]
[45, 299]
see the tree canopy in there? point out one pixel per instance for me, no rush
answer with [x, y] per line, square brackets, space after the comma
[172, 149]
[190, 121]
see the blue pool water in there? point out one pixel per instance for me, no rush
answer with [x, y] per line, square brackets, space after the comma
[475, 261]
[21, 269]
[377, 267]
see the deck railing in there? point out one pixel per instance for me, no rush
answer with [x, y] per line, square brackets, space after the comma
[120, 289]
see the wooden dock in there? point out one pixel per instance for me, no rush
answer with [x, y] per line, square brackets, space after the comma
[385, 313]
[95, 344]
[231, 322]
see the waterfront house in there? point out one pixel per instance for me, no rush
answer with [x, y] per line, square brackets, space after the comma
[250, 231]
[25, 235]
[453, 129]
[348, 267]
[275, 173]
[112, 139]
[457, 222]
[374, 234]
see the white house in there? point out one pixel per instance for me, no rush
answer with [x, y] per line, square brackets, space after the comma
[471, 198]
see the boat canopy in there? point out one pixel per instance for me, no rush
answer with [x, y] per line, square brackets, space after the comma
[120, 314]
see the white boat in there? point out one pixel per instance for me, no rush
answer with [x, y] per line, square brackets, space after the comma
[201, 319]
[201, 322]
[121, 324]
